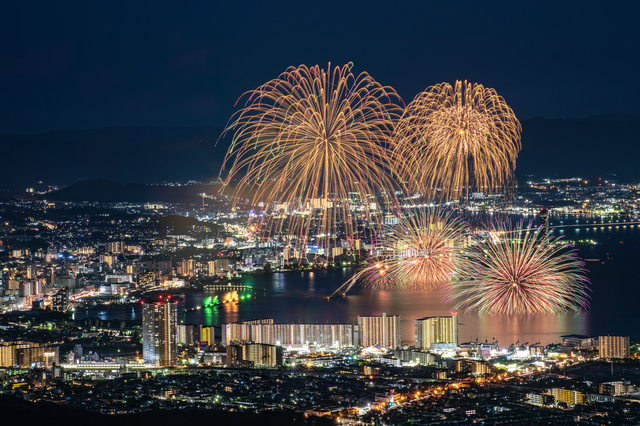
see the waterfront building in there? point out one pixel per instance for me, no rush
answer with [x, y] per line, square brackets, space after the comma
[430, 330]
[266, 332]
[383, 330]
[159, 333]
[578, 341]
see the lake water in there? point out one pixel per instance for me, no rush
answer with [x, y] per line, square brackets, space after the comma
[301, 296]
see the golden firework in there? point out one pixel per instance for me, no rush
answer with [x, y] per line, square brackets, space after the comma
[455, 138]
[313, 143]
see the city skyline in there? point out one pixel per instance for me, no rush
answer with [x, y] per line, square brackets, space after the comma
[85, 290]
[327, 213]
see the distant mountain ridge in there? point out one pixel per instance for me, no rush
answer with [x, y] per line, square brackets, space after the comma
[102, 190]
[594, 145]
[611, 117]
[123, 154]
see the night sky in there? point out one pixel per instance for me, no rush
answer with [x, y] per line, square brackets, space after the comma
[84, 64]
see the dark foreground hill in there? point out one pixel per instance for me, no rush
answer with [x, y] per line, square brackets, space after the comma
[19, 412]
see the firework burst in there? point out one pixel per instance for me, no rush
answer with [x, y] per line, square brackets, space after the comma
[519, 270]
[314, 140]
[424, 250]
[454, 138]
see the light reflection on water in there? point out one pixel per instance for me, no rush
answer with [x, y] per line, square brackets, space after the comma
[287, 299]
[301, 297]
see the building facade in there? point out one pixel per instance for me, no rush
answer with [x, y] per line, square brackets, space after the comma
[266, 332]
[614, 346]
[430, 330]
[383, 330]
[254, 355]
[159, 333]
[27, 354]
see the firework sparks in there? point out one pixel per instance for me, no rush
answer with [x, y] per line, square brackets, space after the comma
[424, 250]
[451, 139]
[314, 140]
[521, 271]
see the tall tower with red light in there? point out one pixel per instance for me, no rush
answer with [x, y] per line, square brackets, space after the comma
[159, 332]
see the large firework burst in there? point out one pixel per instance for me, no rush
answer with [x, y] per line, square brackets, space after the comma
[519, 270]
[454, 138]
[424, 250]
[314, 140]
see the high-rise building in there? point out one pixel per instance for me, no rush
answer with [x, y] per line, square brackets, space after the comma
[208, 335]
[31, 272]
[190, 334]
[614, 346]
[259, 354]
[114, 247]
[234, 354]
[60, 300]
[383, 331]
[431, 330]
[163, 267]
[544, 221]
[185, 267]
[254, 355]
[159, 332]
